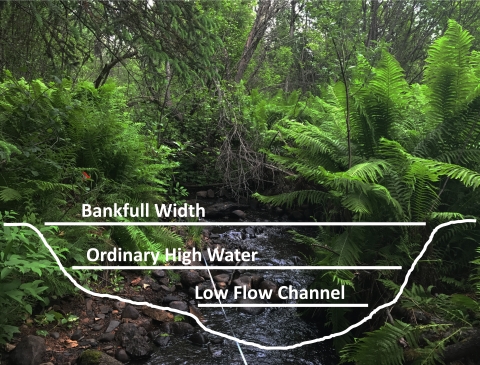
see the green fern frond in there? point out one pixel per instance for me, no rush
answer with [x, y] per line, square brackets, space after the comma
[7, 194]
[385, 341]
[297, 197]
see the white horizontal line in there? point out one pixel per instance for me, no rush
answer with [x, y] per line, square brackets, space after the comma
[236, 305]
[236, 224]
[237, 267]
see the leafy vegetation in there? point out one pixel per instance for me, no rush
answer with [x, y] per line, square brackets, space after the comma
[349, 110]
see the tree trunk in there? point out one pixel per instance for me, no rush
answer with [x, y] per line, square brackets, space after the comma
[266, 10]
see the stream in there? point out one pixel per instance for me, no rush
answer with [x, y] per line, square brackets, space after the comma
[273, 327]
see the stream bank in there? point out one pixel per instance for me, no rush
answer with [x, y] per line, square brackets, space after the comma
[141, 335]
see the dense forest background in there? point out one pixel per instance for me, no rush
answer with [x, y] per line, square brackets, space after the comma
[361, 110]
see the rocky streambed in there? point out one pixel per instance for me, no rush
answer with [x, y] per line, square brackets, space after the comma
[113, 332]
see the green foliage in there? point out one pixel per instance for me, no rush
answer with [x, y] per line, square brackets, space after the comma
[385, 341]
[414, 158]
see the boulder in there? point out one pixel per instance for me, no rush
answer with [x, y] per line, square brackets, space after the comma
[243, 280]
[136, 345]
[191, 278]
[29, 351]
[94, 357]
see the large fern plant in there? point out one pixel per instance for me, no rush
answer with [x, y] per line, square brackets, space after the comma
[414, 157]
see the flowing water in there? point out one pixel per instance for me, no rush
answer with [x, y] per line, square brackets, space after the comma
[273, 327]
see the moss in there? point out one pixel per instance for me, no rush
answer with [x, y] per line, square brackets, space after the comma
[90, 357]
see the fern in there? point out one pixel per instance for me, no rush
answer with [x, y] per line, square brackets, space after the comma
[385, 341]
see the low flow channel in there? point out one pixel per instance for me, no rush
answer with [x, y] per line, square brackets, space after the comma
[272, 327]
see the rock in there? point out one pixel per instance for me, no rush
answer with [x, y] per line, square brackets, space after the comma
[162, 340]
[156, 286]
[9, 347]
[167, 289]
[269, 285]
[190, 278]
[210, 193]
[202, 194]
[199, 339]
[180, 305]
[157, 314]
[256, 280]
[243, 280]
[222, 278]
[97, 327]
[99, 316]
[76, 335]
[138, 298]
[239, 213]
[29, 351]
[158, 274]
[250, 232]
[221, 286]
[177, 328]
[130, 312]
[112, 325]
[170, 298]
[119, 305]
[136, 345]
[164, 281]
[47, 363]
[88, 342]
[94, 357]
[55, 335]
[106, 337]
[250, 310]
[222, 209]
[122, 356]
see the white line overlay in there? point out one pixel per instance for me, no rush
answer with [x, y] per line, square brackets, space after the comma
[237, 267]
[238, 224]
[272, 305]
[232, 338]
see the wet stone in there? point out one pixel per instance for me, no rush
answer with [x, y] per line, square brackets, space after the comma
[162, 340]
[55, 335]
[199, 339]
